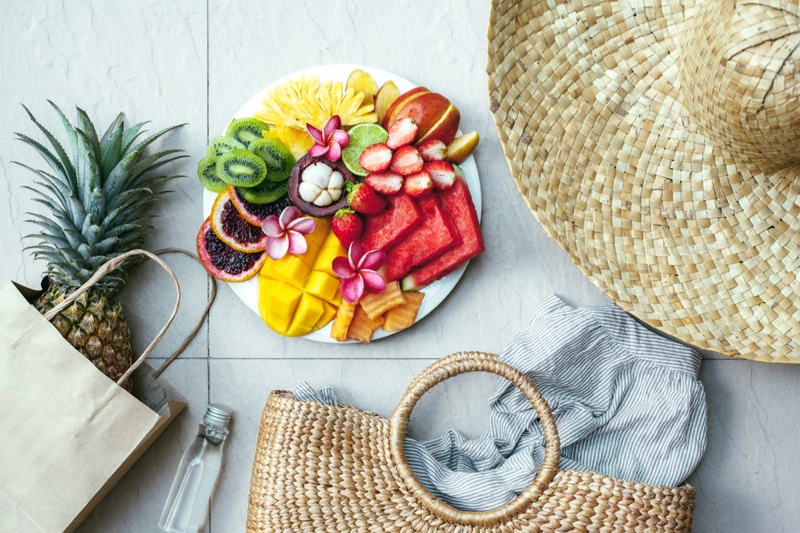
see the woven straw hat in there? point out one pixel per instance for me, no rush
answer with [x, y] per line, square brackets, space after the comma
[659, 144]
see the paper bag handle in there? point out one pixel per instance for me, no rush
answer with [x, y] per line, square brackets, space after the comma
[447, 367]
[109, 267]
[212, 295]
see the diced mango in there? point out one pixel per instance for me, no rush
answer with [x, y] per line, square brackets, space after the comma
[331, 249]
[299, 294]
[327, 315]
[292, 270]
[308, 313]
[283, 299]
[325, 286]
[279, 324]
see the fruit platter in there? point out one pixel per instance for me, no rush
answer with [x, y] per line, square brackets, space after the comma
[342, 203]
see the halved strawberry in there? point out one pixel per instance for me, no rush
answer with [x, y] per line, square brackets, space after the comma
[442, 174]
[385, 182]
[406, 161]
[418, 184]
[376, 158]
[432, 150]
[401, 133]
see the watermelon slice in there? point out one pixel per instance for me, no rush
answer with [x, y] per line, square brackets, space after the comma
[457, 203]
[390, 226]
[434, 236]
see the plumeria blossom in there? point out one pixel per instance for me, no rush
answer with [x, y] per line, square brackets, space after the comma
[358, 271]
[286, 234]
[330, 140]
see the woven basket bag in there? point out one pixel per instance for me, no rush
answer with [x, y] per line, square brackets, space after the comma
[322, 468]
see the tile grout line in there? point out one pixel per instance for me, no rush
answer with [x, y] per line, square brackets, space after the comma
[210, 281]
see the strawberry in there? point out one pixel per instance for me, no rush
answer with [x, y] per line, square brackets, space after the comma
[375, 158]
[386, 182]
[442, 174]
[418, 185]
[347, 226]
[364, 199]
[432, 150]
[401, 133]
[406, 161]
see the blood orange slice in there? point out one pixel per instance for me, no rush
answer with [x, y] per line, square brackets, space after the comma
[256, 214]
[232, 229]
[222, 261]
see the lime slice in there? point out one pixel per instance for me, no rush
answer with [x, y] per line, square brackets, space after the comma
[361, 136]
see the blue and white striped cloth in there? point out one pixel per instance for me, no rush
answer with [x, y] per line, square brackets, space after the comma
[627, 404]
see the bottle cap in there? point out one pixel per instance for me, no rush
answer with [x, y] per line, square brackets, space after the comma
[217, 415]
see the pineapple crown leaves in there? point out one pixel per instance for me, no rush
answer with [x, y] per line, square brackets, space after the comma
[96, 194]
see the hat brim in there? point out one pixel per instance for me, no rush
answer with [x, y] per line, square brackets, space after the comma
[586, 98]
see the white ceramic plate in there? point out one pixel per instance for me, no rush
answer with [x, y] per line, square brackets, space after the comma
[437, 291]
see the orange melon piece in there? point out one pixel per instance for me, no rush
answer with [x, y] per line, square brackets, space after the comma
[376, 304]
[361, 327]
[404, 314]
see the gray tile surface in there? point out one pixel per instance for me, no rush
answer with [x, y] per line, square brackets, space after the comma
[197, 62]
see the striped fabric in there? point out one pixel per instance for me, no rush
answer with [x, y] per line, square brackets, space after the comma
[627, 404]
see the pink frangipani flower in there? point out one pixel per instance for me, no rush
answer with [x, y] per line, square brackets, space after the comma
[286, 234]
[358, 271]
[330, 140]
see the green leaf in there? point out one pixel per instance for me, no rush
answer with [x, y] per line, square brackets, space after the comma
[115, 181]
[111, 149]
[131, 134]
[62, 154]
[85, 125]
[46, 154]
[73, 140]
[149, 164]
[149, 140]
[97, 203]
[116, 123]
[88, 171]
[118, 203]
[54, 200]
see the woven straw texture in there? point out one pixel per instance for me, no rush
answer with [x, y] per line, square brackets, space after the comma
[658, 144]
[321, 468]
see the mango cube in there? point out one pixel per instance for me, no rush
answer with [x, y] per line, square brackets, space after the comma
[298, 294]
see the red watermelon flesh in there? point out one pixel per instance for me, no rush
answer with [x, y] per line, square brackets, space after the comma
[391, 225]
[430, 239]
[457, 203]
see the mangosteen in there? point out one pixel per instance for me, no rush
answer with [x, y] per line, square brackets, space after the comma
[316, 185]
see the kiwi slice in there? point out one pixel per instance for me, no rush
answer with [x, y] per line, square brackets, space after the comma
[276, 155]
[241, 168]
[265, 193]
[207, 172]
[222, 145]
[246, 130]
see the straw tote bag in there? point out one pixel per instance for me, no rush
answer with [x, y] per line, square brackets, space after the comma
[323, 468]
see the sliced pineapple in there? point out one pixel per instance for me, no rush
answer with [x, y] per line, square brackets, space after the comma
[307, 100]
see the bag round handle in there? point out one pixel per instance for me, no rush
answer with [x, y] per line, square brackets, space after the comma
[103, 271]
[450, 366]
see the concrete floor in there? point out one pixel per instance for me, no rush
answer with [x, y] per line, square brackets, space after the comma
[197, 62]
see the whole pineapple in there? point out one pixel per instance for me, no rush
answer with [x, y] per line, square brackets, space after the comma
[96, 199]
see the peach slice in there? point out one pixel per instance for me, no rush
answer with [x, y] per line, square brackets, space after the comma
[444, 128]
[399, 103]
[461, 147]
[426, 110]
[384, 99]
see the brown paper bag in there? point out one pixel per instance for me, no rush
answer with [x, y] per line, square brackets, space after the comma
[69, 432]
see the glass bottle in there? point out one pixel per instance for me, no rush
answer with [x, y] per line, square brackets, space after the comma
[186, 509]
